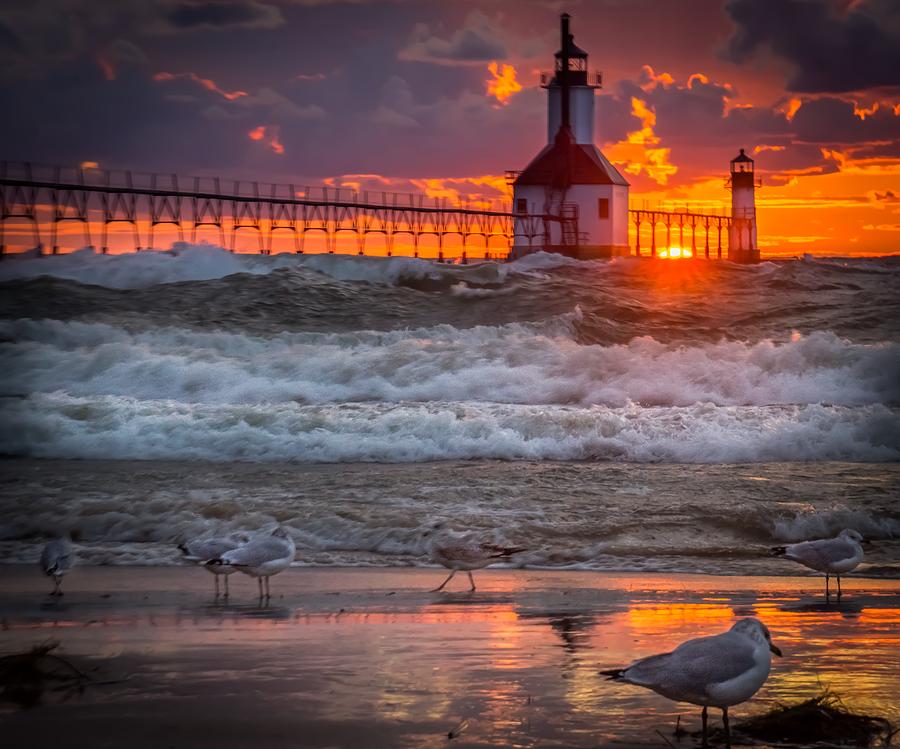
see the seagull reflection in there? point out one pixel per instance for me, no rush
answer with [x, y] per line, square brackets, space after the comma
[849, 610]
[572, 629]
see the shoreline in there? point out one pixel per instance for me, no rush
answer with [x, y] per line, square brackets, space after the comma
[369, 657]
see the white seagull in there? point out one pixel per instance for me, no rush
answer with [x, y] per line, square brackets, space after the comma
[201, 550]
[261, 557]
[833, 556]
[462, 551]
[718, 671]
[57, 559]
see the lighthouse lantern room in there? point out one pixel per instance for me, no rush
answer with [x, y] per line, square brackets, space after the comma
[579, 194]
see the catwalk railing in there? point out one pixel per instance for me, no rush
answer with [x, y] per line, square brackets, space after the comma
[683, 220]
[45, 197]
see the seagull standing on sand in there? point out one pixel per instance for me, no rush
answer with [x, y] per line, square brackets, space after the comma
[261, 557]
[462, 551]
[57, 559]
[201, 550]
[718, 671]
[833, 556]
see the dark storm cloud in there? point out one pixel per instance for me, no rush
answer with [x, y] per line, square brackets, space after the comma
[832, 122]
[221, 15]
[828, 51]
[477, 41]
[698, 120]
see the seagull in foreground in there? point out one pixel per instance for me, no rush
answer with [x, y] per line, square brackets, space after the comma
[57, 558]
[261, 557]
[718, 671]
[201, 550]
[833, 556]
[462, 551]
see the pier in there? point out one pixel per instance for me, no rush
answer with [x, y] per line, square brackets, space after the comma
[44, 197]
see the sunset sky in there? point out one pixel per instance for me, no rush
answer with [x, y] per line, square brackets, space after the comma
[443, 96]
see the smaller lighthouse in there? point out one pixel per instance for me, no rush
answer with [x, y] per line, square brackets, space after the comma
[742, 238]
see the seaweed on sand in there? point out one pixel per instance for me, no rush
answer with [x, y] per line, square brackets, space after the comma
[25, 677]
[823, 720]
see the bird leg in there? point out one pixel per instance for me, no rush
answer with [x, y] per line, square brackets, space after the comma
[57, 582]
[727, 728]
[827, 589]
[226, 586]
[449, 578]
[471, 581]
[259, 585]
[216, 578]
[268, 591]
[705, 739]
[839, 586]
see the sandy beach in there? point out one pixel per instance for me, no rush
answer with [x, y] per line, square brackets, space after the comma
[370, 658]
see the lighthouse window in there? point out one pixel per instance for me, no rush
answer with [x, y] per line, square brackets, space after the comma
[521, 205]
[603, 207]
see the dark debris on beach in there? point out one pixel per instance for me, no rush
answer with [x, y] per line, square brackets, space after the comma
[822, 721]
[25, 678]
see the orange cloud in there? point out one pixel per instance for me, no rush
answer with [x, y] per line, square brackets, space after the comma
[761, 148]
[881, 227]
[270, 134]
[654, 80]
[697, 77]
[453, 189]
[863, 112]
[89, 165]
[639, 153]
[503, 84]
[310, 76]
[275, 144]
[107, 66]
[791, 109]
[206, 83]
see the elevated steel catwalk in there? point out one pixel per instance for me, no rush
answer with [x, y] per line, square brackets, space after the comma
[45, 196]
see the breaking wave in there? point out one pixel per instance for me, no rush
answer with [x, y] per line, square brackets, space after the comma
[119, 427]
[202, 262]
[518, 363]
[201, 353]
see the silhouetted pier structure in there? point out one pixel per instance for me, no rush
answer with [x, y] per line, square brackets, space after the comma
[685, 222]
[42, 195]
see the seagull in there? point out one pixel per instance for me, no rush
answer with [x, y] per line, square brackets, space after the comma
[461, 551]
[261, 557]
[57, 558]
[833, 556]
[201, 550]
[718, 671]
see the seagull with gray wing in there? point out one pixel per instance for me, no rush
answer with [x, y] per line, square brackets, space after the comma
[833, 556]
[719, 671]
[462, 551]
[57, 560]
[261, 557]
[201, 550]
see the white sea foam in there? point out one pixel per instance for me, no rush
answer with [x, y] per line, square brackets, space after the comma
[188, 262]
[537, 363]
[812, 524]
[104, 427]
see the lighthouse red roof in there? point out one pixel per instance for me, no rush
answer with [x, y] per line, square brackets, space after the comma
[569, 163]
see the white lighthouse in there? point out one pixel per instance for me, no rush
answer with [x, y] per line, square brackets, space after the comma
[580, 197]
[742, 236]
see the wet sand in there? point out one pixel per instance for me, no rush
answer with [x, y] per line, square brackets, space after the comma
[370, 658]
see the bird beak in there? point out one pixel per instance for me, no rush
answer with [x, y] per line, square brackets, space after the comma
[775, 649]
